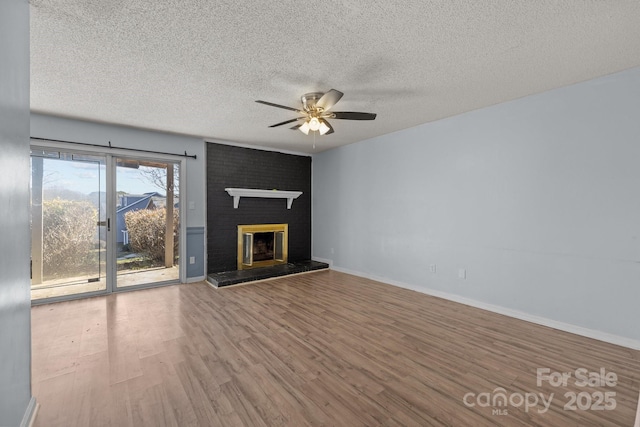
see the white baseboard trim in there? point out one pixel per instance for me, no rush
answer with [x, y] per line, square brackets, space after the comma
[566, 327]
[30, 414]
[196, 279]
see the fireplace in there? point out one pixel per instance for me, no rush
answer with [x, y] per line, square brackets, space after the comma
[262, 245]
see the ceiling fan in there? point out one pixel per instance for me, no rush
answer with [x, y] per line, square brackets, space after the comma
[315, 112]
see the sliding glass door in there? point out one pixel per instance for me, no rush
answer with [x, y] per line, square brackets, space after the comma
[147, 222]
[68, 224]
[101, 223]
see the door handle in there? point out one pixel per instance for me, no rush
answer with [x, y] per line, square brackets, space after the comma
[106, 223]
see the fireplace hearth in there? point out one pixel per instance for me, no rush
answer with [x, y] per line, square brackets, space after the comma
[235, 277]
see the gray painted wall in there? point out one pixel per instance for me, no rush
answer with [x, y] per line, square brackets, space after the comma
[195, 248]
[15, 305]
[538, 199]
[45, 126]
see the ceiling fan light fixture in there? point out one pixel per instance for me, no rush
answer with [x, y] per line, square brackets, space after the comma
[323, 128]
[315, 111]
[314, 124]
[304, 128]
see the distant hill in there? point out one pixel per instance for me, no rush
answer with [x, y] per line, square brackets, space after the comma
[52, 193]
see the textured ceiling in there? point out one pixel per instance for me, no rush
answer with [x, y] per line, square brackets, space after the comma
[195, 67]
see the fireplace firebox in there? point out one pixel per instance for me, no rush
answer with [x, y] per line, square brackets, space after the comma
[262, 245]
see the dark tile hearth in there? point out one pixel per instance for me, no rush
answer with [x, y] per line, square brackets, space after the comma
[234, 277]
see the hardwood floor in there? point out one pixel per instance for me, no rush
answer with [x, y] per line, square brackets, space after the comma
[323, 348]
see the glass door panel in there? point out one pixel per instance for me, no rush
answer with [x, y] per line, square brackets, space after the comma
[68, 224]
[147, 222]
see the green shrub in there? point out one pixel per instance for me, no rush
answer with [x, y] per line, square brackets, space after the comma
[147, 232]
[69, 233]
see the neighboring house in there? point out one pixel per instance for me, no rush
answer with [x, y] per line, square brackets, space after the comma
[131, 203]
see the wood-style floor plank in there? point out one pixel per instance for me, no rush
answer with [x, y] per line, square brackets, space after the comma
[319, 349]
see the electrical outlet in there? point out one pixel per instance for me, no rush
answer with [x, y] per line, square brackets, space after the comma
[462, 273]
[192, 260]
[432, 268]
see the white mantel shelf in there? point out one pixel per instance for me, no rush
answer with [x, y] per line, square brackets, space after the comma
[236, 193]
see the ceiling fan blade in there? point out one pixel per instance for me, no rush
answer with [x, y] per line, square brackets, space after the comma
[330, 131]
[352, 115]
[296, 127]
[286, 122]
[329, 99]
[279, 106]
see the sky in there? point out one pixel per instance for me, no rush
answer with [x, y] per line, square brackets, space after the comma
[89, 177]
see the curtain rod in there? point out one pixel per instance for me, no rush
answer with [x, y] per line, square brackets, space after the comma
[119, 148]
